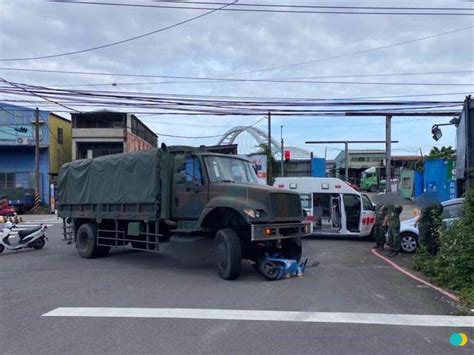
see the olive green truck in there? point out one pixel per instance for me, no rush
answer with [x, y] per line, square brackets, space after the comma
[145, 198]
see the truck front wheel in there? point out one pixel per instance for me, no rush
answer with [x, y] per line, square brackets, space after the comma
[229, 254]
[86, 242]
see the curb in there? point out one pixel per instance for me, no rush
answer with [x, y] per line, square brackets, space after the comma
[414, 277]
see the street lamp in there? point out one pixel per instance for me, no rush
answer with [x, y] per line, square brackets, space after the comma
[436, 131]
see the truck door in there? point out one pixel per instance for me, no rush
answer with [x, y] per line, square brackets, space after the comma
[189, 195]
[368, 216]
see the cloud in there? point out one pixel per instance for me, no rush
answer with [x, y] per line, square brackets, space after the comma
[228, 42]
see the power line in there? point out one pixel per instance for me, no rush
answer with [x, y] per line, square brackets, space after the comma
[268, 68]
[301, 80]
[215, 79]
[121, 41]
[205, 137]
[331, 10]
[35, 94]
[368, 50]
[46, 123]
[307, 99]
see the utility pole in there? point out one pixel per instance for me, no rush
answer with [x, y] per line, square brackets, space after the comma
[346, 144]
[388, 151]
[421, 153]
[282, 167]
[346, 153]
[37, 163]
[269, 149]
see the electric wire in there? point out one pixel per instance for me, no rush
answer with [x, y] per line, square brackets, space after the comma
[334, 10]
[118, 42]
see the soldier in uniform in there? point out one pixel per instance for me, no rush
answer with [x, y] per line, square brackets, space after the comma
[394, 229]
[379, 228]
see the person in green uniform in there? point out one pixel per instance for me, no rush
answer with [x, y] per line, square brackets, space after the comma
[394, 229]
[379, 228]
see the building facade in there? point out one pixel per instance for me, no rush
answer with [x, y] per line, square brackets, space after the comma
[359, 160]
[104, 132]
[17, 149]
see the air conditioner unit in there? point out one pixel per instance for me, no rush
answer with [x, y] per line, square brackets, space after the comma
[22, 141]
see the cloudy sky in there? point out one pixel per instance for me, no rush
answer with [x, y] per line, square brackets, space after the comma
[228, 42]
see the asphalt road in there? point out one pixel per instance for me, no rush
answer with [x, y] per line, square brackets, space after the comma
[348, 279]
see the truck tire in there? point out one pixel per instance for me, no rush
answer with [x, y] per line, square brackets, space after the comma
[86, 242]
[293, 249]
[229, 254]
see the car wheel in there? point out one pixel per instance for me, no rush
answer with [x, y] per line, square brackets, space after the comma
[408, 242]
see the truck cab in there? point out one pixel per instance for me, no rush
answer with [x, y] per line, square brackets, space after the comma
[332, 206]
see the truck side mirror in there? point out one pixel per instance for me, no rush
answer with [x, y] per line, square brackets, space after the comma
[180, 177]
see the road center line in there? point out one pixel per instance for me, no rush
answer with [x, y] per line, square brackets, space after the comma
[255, 315]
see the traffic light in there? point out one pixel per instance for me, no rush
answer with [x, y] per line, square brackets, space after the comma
[287, 155]
[21, 129]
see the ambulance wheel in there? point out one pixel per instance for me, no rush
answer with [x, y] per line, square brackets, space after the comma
[2, 248]
[269, 269]
[86, 242]
[292, 249]
[229, 254]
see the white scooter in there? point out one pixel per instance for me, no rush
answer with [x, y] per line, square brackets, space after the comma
[28, 238]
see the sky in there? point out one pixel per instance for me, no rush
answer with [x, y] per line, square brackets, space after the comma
[227, 42]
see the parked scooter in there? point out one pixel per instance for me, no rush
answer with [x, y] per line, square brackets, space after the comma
[28, 238]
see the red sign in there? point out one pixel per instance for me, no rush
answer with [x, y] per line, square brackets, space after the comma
[287, 155]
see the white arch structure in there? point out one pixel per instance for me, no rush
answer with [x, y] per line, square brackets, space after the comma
[261, 137]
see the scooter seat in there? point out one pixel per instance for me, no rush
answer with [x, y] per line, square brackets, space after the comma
[27, 232]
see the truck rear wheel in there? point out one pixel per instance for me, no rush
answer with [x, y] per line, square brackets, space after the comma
[229, 254]
[86, 242]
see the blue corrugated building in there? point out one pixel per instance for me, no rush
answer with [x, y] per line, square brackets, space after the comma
[17, 148]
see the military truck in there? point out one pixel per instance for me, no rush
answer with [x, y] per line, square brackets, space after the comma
[143, 199]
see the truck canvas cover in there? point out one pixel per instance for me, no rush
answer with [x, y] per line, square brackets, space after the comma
[112, 179]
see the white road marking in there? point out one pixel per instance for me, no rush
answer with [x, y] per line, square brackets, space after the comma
[253, 315]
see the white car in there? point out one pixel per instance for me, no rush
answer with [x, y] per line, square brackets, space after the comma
[409, 232]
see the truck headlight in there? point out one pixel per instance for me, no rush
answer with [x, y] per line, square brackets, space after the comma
[254, 213]
[250, 212]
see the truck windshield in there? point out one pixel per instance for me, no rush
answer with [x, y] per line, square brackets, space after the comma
[229, 169]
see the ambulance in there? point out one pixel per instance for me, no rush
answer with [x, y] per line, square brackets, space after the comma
[332, 206]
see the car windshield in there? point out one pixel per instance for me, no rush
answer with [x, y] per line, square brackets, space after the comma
[227, 169]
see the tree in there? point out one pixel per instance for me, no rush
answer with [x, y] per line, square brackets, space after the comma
[443, 153]
[273, 167]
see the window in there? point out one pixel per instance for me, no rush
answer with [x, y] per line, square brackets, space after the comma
[7, 180]
[366, 203]
[227, 169]
[305, 201]
[452, 211]
[193, 170]
[60, 136]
